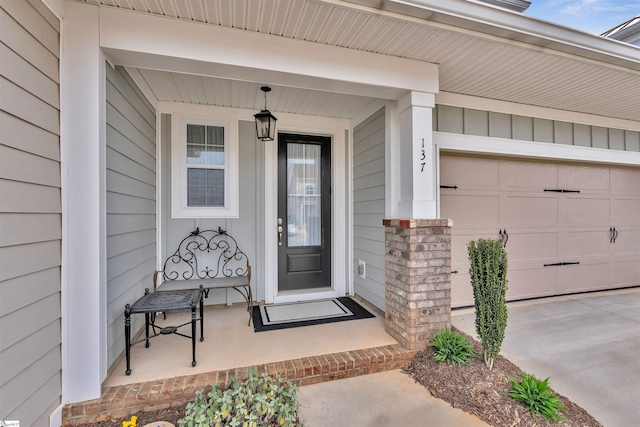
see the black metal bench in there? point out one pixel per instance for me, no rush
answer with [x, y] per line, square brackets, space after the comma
[210, 258]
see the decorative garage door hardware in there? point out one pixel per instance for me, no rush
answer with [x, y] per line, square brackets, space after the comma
[454, 272]
[455, 187]
[560, 264]
[504, 236]
[614, 234]
[561, 191]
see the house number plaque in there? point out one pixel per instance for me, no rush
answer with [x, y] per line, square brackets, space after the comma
[422, 156]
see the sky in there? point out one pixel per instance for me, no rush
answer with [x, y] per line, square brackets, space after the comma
[592, 16]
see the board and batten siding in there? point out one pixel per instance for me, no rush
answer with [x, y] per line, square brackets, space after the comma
[369, 206]
[468, 121]
[30, 213]
[131, 202]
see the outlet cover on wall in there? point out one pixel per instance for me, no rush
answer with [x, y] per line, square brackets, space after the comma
[362, 269]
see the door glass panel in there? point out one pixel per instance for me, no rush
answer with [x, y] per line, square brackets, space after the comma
[304, 203]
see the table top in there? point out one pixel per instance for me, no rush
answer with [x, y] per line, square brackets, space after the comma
[167, 301]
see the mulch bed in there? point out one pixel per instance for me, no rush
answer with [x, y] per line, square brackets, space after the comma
[477, 390]
[471, 388]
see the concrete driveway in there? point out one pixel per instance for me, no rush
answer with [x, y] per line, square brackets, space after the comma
[588, 344]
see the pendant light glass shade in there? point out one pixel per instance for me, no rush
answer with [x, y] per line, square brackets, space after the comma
[265, 121]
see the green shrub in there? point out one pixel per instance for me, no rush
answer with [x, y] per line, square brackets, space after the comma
[488, 271]
[536, 394]
[255, 401]
[452, 347]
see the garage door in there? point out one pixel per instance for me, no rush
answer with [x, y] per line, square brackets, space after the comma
[557, 221]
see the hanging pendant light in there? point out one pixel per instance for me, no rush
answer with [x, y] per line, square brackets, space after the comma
[265, 121]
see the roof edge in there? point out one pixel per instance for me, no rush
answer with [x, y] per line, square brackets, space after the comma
[481, 17]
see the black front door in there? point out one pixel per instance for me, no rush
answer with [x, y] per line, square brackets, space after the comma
[304, 212]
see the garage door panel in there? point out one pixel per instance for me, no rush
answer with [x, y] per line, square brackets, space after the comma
[626, 212]
[583, 277]
[469, 172]
[459, 252]
[470, 210]
[531, 246]
[588, 211]
[461, 290]
[529, 211]
[583, 178]
[625, 180]
[625, 273]
[530, 283]
[584, 243]
[627, 242]
[545, 227]
[528, 174]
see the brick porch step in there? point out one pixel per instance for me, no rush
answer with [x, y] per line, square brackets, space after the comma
[126, 400]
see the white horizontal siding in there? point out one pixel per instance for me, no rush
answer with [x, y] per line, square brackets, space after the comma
[369, 206]
[131, 202]
[30, 213]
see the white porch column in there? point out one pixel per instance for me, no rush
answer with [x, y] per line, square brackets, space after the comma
[417, 158]
[84, 241]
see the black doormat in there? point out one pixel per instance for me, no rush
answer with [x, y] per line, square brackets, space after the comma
[359, 312]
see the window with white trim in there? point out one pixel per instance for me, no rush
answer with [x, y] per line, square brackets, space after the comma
[204, 157]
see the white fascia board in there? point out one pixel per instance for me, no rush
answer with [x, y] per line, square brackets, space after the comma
[237, 51]
[537, 150]
[483, 18]
[496, 106]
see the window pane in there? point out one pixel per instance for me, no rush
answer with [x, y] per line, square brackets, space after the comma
[205, 145]
[205, 187]
[304, 203]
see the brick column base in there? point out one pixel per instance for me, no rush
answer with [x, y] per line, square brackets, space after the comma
[417, 279]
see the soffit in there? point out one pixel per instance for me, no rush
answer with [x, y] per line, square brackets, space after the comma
[470, 64]
[188, 88]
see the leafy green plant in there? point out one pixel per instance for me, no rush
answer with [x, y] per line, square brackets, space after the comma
[536, 394]
[488, 271]
[255, 401]
[452, 347]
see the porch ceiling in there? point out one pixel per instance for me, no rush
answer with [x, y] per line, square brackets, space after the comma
[178, 87]
[484, 65]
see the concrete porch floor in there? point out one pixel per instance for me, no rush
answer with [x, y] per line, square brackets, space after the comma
[230, 343]
[162, 375]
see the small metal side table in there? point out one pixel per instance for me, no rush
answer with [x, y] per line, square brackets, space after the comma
[166, 301]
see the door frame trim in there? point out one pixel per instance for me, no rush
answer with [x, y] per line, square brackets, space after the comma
[335, 129]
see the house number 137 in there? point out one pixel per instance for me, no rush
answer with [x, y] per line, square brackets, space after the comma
[422, 157]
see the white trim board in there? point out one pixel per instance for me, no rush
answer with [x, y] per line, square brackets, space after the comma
[539, 150]
[148, 41]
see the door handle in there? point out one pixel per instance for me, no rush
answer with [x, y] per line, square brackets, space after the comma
[279, 235]
[615, 234]
[504, 236]
[611, 234]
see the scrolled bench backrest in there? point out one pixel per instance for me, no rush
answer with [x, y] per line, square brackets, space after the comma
[206, 255]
